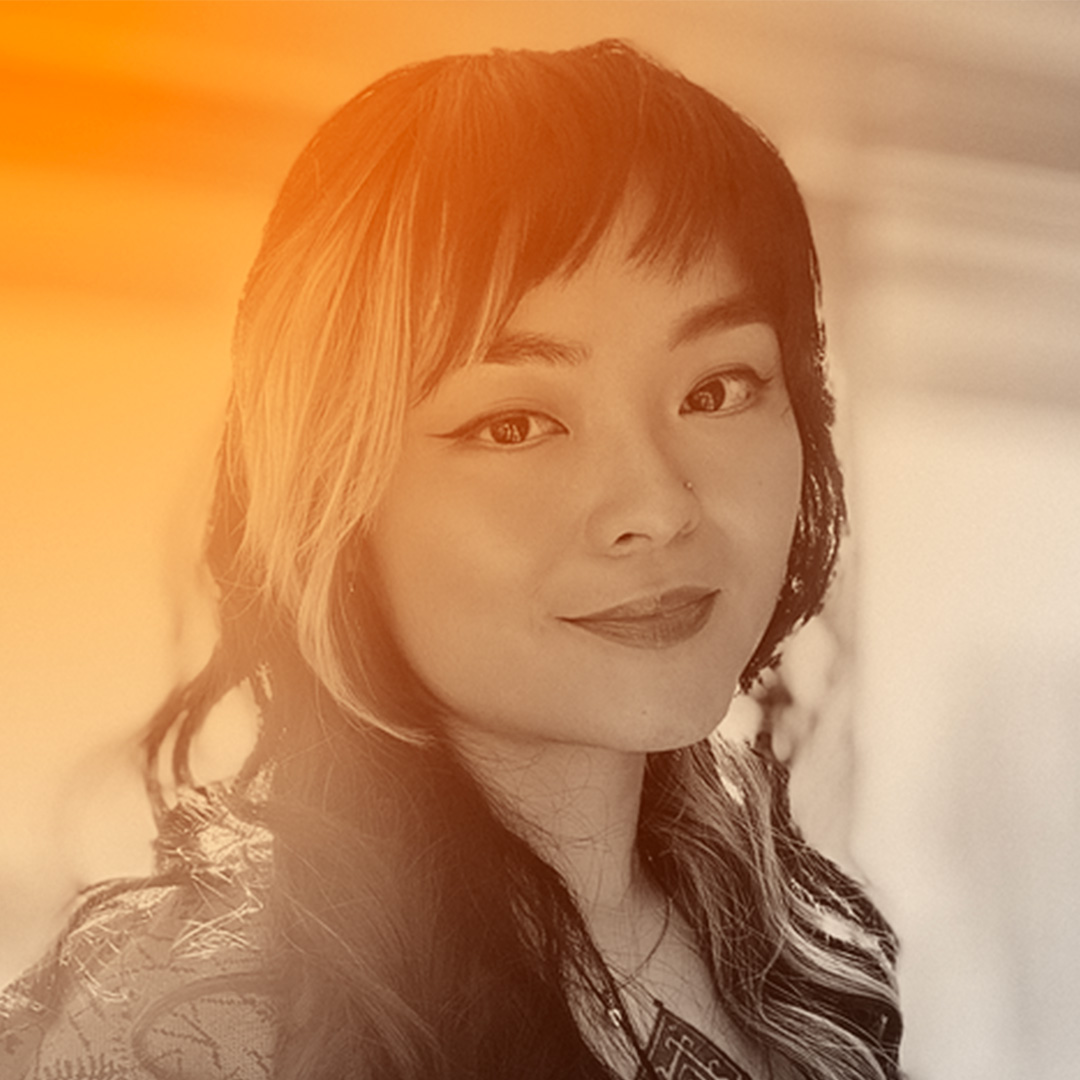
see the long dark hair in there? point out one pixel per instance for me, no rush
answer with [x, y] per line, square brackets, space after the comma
[409, 932]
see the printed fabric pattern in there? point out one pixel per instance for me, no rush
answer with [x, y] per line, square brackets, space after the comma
[159, 980]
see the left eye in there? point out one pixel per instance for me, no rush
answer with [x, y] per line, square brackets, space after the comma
[725, 392]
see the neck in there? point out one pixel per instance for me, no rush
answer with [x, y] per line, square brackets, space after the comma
[579, 807]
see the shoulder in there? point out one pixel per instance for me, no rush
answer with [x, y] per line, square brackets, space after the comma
[153, 981]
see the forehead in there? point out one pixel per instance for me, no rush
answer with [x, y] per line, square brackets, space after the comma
[627, 269]
[615, 295]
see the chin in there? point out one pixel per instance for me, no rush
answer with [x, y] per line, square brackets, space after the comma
[676, 721]
[679, 736]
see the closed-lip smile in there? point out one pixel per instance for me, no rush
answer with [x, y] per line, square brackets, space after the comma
[654, 622]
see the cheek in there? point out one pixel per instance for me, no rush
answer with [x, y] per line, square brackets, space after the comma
[424, 576]
[457, 558]
[471, 537]
[758, 491]
[762, 518]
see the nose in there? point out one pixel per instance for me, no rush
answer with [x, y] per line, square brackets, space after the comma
[643, 499]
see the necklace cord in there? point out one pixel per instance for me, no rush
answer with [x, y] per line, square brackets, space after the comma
[615, 1006]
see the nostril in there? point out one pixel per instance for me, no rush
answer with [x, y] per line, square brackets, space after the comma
[645, 502]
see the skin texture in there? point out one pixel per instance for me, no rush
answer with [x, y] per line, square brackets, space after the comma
[551, 483]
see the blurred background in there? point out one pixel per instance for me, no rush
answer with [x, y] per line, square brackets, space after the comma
[938, 146]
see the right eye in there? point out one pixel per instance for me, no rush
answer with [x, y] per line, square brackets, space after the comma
[509, 429]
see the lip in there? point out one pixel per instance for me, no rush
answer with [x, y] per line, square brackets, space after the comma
[654, 622]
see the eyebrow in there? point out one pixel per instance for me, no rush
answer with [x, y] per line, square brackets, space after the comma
[526, 348]
[513, 348]
[741, 310]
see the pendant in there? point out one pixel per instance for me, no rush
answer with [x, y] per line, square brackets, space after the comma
[678, 1051]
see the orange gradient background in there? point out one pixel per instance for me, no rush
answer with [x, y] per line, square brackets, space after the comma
[938, 146]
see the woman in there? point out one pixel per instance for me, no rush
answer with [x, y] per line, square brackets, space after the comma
[527, 470]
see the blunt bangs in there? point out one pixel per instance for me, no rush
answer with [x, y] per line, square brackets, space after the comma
[521, 161]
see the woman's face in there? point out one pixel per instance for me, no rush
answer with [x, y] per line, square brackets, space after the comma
[586, 533]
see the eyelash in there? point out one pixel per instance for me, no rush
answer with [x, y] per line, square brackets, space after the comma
[472, 431]
[750, 382]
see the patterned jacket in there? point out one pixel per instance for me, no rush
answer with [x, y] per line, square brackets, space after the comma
[154, 980]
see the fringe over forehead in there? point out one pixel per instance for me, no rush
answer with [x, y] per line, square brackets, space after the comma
[406, 233]
[480, 176]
